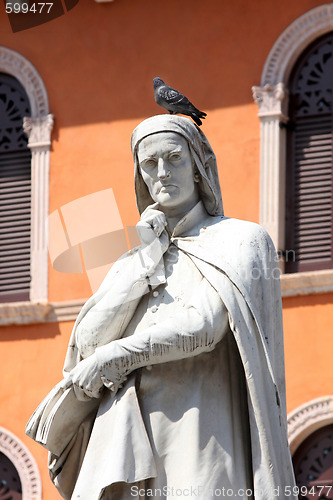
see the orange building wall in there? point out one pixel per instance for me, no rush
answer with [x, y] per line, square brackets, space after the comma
[31, 362]
[308, 328]
[97, 63]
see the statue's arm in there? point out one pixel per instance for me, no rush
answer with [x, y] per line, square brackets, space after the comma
[197, 329]
[121, 291]
[113, 308]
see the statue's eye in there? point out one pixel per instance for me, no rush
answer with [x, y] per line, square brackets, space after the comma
[151, 163]
[175, 157]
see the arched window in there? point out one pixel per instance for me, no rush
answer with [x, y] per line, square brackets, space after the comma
[19, 475]
[313, 465]
[15, 192]
[23, 107]
[309, 172]
[301, 272]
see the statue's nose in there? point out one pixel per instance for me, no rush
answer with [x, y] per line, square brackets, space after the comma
[162, 170]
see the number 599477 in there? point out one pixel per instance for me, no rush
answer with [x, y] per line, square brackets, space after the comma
[25, 8]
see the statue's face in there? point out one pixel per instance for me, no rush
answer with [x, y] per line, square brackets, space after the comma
[166, 168]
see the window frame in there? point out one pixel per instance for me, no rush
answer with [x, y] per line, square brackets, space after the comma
[272, 99]
[38, 127]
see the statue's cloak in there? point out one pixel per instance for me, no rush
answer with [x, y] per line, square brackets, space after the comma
[239, 261]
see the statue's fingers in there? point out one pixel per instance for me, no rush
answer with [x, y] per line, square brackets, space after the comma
[158, 230]
[159, 224]
[150, 208]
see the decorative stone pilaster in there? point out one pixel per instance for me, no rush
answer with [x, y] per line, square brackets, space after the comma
[39, 133]
[273, 103]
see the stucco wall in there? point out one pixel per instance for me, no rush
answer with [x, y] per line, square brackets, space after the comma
[97, 63]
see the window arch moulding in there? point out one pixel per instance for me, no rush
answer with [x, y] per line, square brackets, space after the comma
[308, 418]
[272, 100]
[38, 128]
[24, 463]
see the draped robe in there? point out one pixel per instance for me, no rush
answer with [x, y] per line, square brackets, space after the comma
[237, 261]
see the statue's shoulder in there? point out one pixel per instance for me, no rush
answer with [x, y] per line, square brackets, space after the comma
[236, 235]
[238, 242]
[237, 228]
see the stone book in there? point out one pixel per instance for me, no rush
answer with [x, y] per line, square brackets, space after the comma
[58, 417]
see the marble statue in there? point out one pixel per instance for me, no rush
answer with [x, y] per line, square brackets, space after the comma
[181, 348]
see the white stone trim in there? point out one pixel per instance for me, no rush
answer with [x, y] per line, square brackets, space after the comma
[307, 283]
[39, 132]
[293, 41]
[39, 128]
[65, 311]
[272, 100]
[307, 418]
[25, 464]
[25, 313]
[15, 64]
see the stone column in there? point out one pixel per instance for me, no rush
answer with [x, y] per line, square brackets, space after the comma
[272, 103]
[39, 133]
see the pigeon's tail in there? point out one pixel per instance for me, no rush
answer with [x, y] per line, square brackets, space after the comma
[196, 114]
[196, 111]
[196, 119]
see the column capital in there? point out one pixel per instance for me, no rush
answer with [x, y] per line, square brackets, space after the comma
[38, 130]
[272, 101]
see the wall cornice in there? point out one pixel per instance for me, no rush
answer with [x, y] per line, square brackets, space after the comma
[307, 283]
[25, 313]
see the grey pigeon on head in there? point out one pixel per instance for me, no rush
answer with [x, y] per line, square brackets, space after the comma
[175, 102]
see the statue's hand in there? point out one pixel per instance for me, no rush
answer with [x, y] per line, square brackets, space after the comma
[86, 378]
[151, 226]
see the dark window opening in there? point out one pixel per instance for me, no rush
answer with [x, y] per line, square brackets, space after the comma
[10, 483]
[309, 176]
[313, 465]
[15, 192]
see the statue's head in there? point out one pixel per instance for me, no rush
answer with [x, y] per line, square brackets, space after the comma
[167, 168]
[174, 164]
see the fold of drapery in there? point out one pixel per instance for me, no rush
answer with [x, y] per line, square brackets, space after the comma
[241, 265]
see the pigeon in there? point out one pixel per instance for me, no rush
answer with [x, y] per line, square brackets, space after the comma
[175, 102]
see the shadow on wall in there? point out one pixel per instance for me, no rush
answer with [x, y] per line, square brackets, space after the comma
[32, 332]
[98, 60]
[307, 300]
